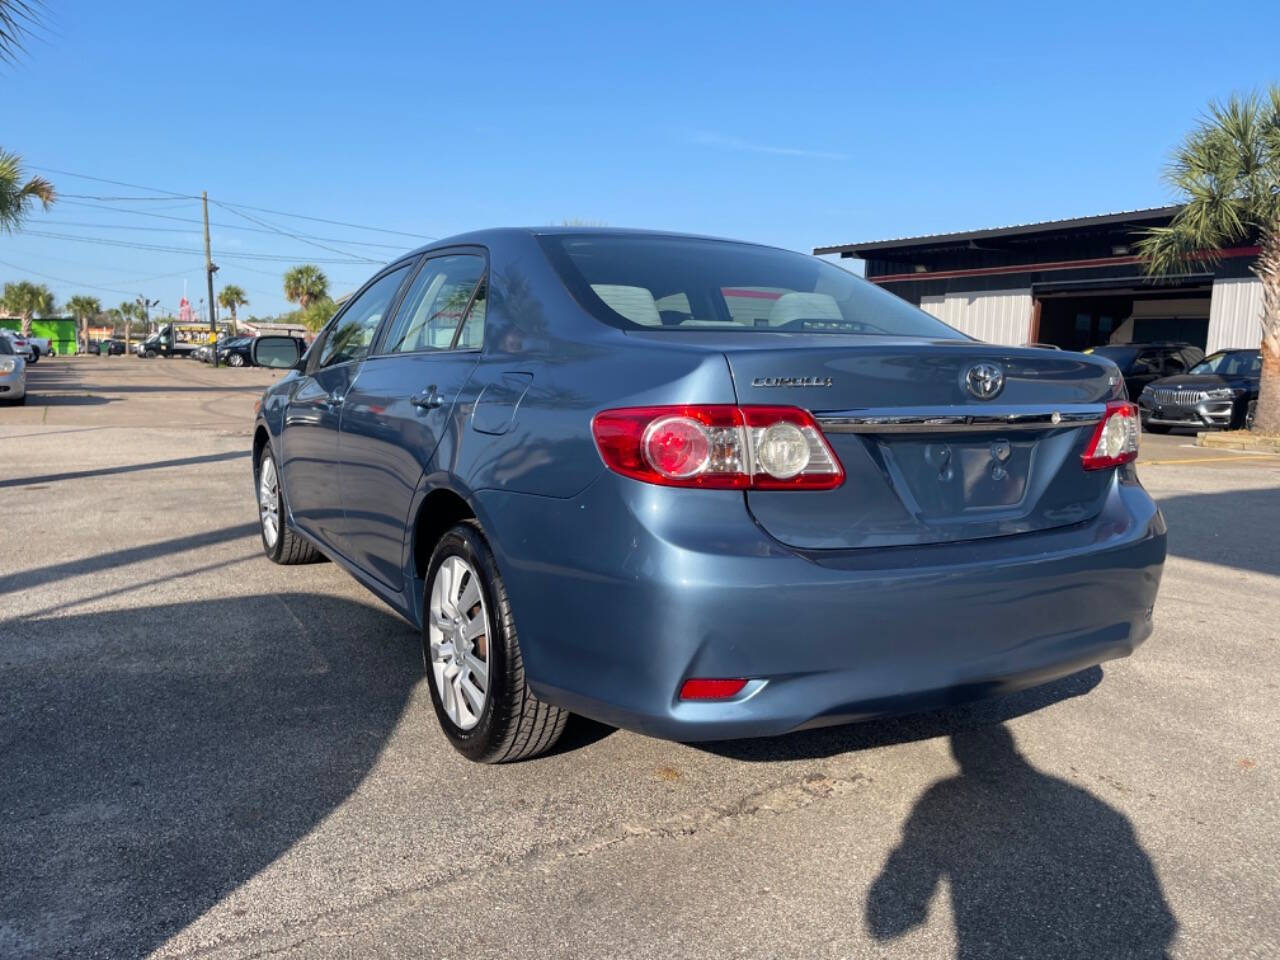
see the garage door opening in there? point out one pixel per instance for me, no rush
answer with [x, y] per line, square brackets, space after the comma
[1078, 320]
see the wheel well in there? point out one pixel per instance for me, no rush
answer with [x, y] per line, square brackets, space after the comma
[440, 511]
[260, 440]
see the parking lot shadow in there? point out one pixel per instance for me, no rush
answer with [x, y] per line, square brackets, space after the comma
[156, 759]
[1235, 528]
[1036, 866]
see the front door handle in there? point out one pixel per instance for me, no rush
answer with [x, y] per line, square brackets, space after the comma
[428, 399]
[335, 400]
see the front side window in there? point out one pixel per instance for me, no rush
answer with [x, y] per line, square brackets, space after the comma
[436, 304]
[681, 284]
[353, 331]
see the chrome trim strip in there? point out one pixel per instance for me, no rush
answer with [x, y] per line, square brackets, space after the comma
[953, 420]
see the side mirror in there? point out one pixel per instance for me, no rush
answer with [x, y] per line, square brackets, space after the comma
[278, 352]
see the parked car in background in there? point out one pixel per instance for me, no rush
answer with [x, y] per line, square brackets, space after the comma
[21, 346]
[1221, 391]
[239, 352]
[701, 489]
[13, 374]
[104, 348]
[206, 351]
[40, 347]
[1144, 363]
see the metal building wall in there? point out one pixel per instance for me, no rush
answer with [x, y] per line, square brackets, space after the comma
[996, 316]
[1235, 312]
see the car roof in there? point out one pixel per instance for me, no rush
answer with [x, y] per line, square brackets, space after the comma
[497, 234]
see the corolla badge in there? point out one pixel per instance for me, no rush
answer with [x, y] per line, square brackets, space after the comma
[791, 382]
[984, 380]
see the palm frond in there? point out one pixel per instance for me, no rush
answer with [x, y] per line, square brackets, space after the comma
[18, 19]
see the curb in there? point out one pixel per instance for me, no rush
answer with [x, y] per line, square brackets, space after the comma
[1239, 440]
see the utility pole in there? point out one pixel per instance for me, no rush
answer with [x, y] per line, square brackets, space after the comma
[210, 268]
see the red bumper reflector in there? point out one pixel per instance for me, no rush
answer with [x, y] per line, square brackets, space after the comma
[711, 689]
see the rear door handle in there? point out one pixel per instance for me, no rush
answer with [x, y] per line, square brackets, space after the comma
[428, 399]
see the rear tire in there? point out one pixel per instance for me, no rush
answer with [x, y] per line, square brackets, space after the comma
[280, 543]
[511, 724]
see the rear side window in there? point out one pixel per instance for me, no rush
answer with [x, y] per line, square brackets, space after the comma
[677, 284]
[436, 305]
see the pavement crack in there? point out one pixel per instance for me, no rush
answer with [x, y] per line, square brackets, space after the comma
[776, 800]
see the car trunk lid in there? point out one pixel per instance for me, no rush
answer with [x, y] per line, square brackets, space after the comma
[940, 440]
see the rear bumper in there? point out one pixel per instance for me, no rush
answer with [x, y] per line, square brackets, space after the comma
[625, 591]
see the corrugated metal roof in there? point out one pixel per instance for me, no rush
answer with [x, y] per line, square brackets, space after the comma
[1043, 226]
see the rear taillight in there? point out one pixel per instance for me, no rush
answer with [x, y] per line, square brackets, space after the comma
[718, 446]
[1115, 439]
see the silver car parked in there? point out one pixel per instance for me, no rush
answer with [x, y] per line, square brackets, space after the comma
[13, 374]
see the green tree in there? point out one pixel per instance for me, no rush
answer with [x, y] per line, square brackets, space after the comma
[25, 299]
[232, 297]
[305, 284]
[84, 308]
[316, 314]
[1227, 173]
[18, 193]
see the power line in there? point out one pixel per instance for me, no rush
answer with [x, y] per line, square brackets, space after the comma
[227, 203]
[74, 283]
[336, 223]
[291, 258]
[220, 226]
[294, 236]
[114, 183]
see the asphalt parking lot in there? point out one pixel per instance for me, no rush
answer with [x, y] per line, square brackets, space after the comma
[203, 754]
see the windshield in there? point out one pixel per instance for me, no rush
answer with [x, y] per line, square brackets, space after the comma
[5, 346]
[679, 284]
[1231, 363]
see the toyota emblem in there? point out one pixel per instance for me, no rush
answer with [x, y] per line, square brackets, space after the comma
[984, 380]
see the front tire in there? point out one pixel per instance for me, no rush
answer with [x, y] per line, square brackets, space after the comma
[474, 667]
[235, 360]
[279, 542]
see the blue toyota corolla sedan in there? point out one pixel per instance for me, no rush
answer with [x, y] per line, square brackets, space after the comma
[701, 489]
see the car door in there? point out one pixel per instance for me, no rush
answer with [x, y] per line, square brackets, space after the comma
[309, 439]
[399, 406]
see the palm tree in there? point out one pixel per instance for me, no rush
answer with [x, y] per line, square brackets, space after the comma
[232, 297]
[128, 310]
[17, 195]
[84, 308]
[304, 284]
[26, 299]
[1227, 172]
[17, 19]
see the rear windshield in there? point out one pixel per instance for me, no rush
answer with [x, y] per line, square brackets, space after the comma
[1120, 356]
[680, 284]
[1231, 363]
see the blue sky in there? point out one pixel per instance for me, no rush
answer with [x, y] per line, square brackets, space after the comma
[793, 124]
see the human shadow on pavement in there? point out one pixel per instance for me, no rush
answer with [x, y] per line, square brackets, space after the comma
[156, 758]
[1036, 866]
[906, 728]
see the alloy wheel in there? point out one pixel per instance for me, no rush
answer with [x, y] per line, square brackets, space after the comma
[269, 502]
[458, 634]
